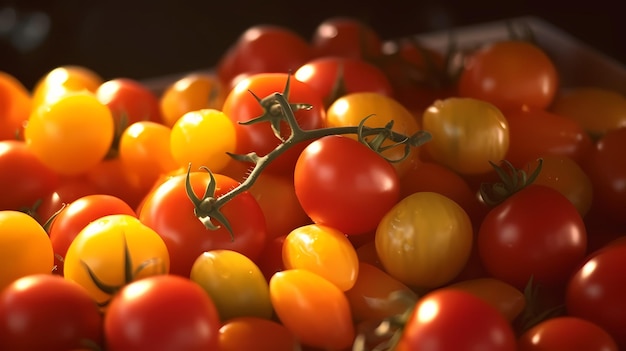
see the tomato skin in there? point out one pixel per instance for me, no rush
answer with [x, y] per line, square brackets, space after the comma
[510, 74]
[166, 312]
[509, 300]
[55, 314]
[254, 333]
[130, 101]
[447, 319]
[346, 37]
[596, 289]
[298, 292]
[336, 191]
[425, 240]
[536, 232]
[169, 211]
[15, 107]
[62, 80]
[566, 334]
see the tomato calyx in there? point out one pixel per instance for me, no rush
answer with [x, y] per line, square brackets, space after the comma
[339, 87]
[533, 313]
[512, 181]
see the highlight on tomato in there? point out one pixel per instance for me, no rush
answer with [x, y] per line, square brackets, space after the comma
[62, 80]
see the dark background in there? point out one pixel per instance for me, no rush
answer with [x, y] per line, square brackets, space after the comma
[142, 39]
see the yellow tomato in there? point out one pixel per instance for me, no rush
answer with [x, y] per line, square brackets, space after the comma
[466, 134]
[25, 247]
[113, 251]
[62, 80]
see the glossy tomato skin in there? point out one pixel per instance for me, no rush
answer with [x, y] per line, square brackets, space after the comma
[255, 333]
[169, 313]
[535, 232]
[169, 211]
[346, 37]
[447, 319]
[566, 333]
[130, 101]
[596, 289]
[241, 106]
[343, 184]
[55, 314]
[16, 105]
[510, 74]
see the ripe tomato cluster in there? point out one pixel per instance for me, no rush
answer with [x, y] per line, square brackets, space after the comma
[338, 193]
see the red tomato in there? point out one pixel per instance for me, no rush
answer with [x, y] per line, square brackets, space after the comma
[29, 179]
[536, 132]
[68, 190]
[241, 106]
[510, 74]
[343, 184]
[270, 260]
[15, 107]
[130, 101]
[596, 292]
[449, 319]
[169, 211]
[47, 312]
[334, 76]
[536, 232]
[346, 37]
[566, 334]
[165, 312]
[264, 49]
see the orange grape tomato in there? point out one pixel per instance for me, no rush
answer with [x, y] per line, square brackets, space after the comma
[254, 333]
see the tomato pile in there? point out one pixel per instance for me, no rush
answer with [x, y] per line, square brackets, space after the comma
[338, 193]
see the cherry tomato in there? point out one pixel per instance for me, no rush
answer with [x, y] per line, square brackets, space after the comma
[25, 244]
[111, 252]
[71, 134]
[425, 240]
[322, 250]
[595, 292]
[346, 37]
[235, 284]
[596, 109]
[503, 296]
[241, 106]
[68, 190]
[536, 232]
[62, 80]
[510, 74]
[15, 107]
[449, 319]
[255, 333]
[159, 313]
[298, 292]
[466, 134]
[566, 333]
[54, 314]
[168, 210]
[130, 101]
[338, 192]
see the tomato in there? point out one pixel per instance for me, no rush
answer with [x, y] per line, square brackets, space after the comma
[607, 173]
[338, 192]
[68, 190]
[346, 37]
[425, 240]
[322, 250]
[270, 260]
[241, 106]
[235, 284]
[535, 132]
[15, 107]
[371, 296]
[29, 179]
[52, 133]
[466, 134]
[168, 210]
[144, 149]
[596, 109]
[76, 215]
[298, 292]
[503, 296]
[536, 232]
[566, 334]
[254, 333]
[595, 292]
[264, 48]
[568, 177]
[25, 244]
[130, 101]
[510, 74]
[112, 251]
[62, 80]
[448, 319]
[165, 312]
[334, 76]
[192, 92]
[352, 109]
[54, 314]
[276, 194]
[189, 136]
